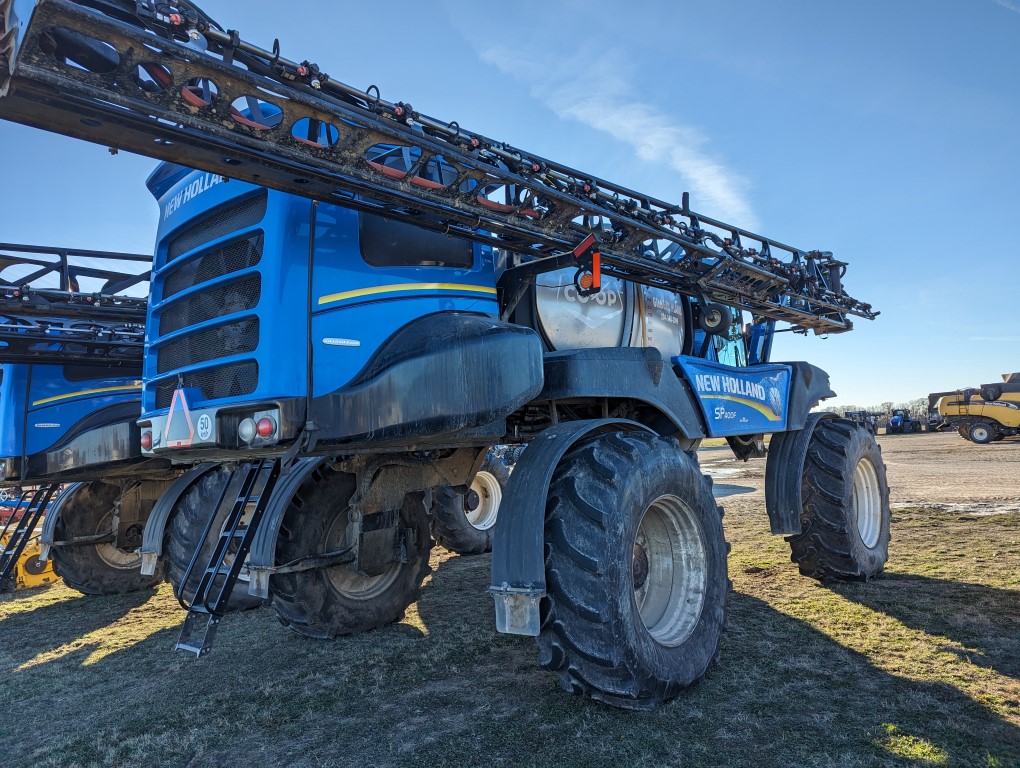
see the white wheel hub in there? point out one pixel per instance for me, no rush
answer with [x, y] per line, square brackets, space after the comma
[490, 495]
[670, 570]
[867, 503]
[111, 554]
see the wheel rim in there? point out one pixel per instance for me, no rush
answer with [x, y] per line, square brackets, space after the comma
[111, 554]
[979, 433]
[669, 570]
[490, 495]
[345, 579]
[867, 502]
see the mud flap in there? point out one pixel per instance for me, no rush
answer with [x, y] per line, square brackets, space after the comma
[155, 526]
[50, 519]
[262, 555]
[783, 470]
[518, 548]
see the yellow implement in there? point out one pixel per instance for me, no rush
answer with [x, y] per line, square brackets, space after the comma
[987, 413]
[29, 571]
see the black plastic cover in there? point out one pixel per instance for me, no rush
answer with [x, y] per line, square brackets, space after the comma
[632, 373]
[445, 378]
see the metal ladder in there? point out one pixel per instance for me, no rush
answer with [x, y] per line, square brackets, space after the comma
[219, 573]
[18, 536]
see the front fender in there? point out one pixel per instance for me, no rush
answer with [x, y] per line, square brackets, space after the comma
[784, 468]
[518, 549]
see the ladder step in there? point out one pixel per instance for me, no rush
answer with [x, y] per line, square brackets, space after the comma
[209, 603]
[197, 633]
[223, 570]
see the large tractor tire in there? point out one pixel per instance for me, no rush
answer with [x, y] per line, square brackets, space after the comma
[983, 433]
[188, 521]
[328, 602]
[964, 431]
[635, 571]
[97, 569]
[845, 495]
[465, 523]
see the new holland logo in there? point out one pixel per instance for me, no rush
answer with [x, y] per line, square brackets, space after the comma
[193, 190]
[764, 395]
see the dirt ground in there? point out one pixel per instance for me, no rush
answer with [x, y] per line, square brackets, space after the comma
[931, 469]
[920, 666]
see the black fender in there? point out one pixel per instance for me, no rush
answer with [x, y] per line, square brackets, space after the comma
[439, 368]
[809, 385]
[262, 554]
[784, 468]
[631, 373]
[52, 515]
[155, 526]
[518, 549]
[100, 444]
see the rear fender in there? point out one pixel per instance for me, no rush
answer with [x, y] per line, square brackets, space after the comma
[49, 529]
[262, 554]
[155, 526]
[783, 470]
[518, 550]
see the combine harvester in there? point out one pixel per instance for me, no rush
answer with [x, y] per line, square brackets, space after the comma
[984, 414]
[361, 300]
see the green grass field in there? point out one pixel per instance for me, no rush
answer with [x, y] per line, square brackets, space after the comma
[920, 667]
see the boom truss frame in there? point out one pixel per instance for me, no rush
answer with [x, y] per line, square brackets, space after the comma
[163, 80]
[45, 317]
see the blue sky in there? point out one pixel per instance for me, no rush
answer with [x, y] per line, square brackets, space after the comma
[885, 131]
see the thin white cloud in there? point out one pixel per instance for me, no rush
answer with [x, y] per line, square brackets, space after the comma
[1009, 5]
[597, 95]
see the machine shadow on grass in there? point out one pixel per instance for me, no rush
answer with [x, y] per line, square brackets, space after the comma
[783, 694]
[25, 634]
[985, 619]
[836, 697]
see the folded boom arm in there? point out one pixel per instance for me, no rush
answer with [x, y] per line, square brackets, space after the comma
[71, 306]
[165, 81]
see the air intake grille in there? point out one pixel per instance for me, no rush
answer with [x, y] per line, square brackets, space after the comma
[242, 215]
[229, 258]
[239, 296]
[224, 381]
[209, 344]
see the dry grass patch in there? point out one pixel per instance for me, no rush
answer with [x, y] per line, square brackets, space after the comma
[918, 667]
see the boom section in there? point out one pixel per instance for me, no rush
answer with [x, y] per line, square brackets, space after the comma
[72, 306]
[174, 86]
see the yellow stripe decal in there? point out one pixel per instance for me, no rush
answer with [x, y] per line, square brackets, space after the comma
[125, 388]
[765, 411]
[401, 287]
